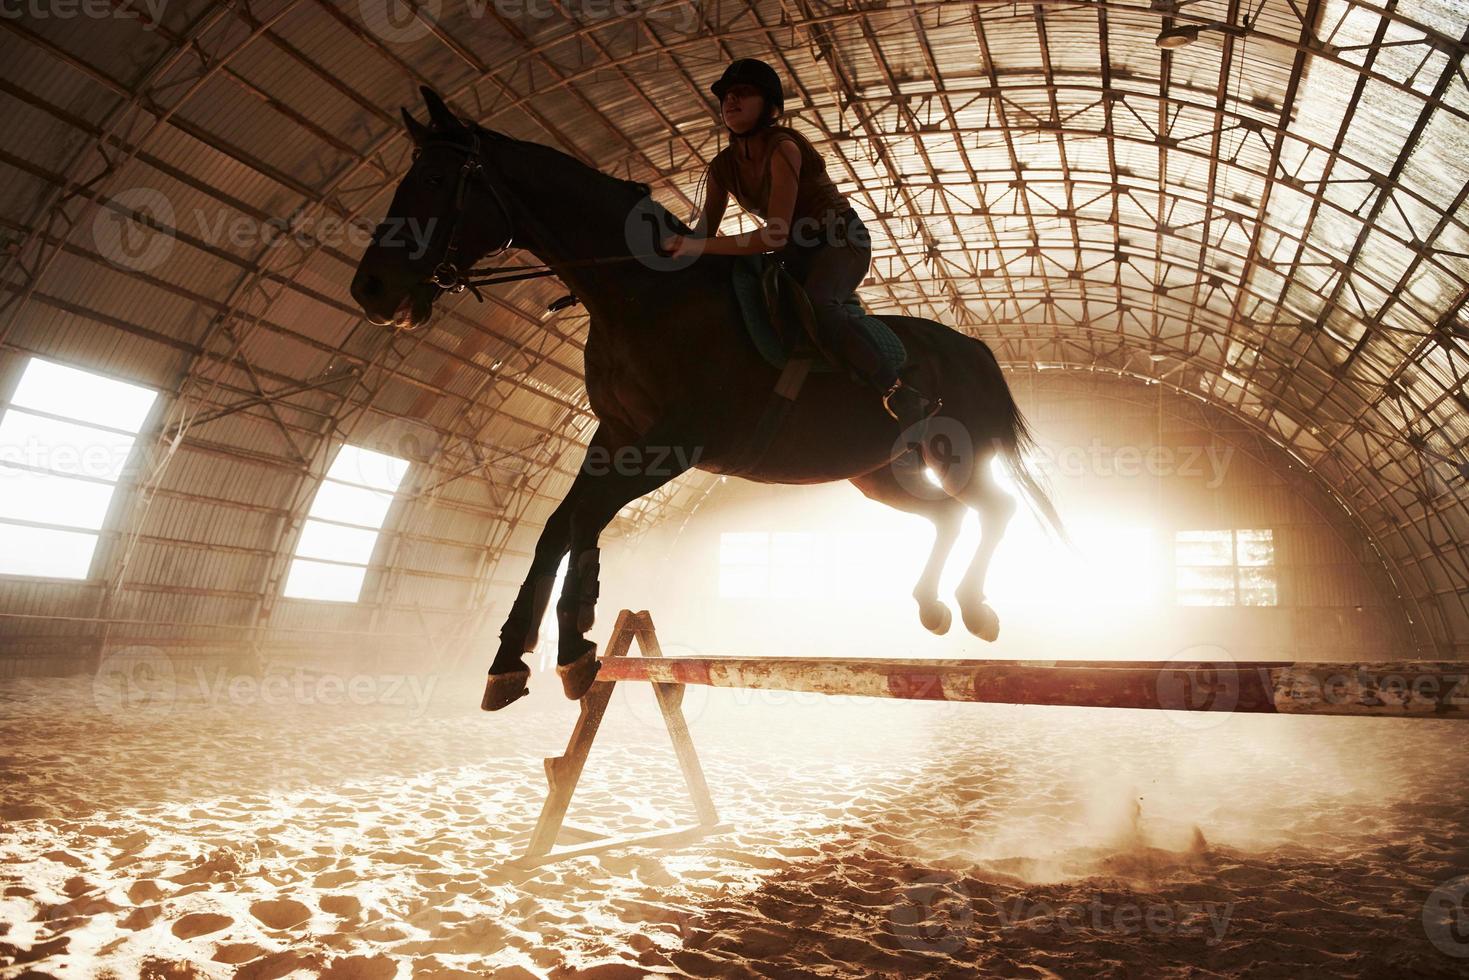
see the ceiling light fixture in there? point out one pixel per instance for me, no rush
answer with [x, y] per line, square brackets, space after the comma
[1181, 35]
[1177, 37]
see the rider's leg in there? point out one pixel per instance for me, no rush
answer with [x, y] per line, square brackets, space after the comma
[831, 269]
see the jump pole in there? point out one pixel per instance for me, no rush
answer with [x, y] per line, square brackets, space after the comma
[1391, 689]
[1403, 689]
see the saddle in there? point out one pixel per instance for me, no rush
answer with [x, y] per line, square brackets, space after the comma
[782, 326]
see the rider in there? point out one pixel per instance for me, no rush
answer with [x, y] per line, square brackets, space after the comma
[774, 172]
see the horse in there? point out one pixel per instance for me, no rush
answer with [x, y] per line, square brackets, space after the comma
[674, 380]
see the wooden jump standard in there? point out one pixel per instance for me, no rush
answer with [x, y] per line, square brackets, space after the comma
[1401, 689]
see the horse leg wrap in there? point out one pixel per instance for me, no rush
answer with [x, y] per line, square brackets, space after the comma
[520, 633]
[588, 567]
[540, 599]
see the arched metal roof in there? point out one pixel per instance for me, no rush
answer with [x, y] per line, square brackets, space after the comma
[1271, 219]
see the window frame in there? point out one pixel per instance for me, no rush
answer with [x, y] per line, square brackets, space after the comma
[312, 517]
[1234, 565]
[123, 481]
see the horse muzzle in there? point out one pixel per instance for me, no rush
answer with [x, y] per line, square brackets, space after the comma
[412, 310]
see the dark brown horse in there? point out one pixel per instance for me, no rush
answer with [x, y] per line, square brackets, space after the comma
[675, 381]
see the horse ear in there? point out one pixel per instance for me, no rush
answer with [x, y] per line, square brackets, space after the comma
[439, 114]
[417, 131]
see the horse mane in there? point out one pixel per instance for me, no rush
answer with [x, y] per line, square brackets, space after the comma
[630, 190]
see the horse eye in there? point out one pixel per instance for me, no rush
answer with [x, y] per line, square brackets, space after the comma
[434, 180]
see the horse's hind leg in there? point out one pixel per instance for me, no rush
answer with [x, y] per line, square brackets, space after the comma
[946, 513]
[995, 508]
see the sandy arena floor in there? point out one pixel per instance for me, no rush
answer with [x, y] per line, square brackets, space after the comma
[243, 835]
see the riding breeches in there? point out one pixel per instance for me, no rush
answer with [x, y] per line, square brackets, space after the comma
[831, 263]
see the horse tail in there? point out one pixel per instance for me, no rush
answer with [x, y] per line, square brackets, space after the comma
[1015, 443]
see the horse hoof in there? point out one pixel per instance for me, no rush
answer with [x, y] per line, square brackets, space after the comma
[503, 690]
[936, 617]
[982, 621]
[578, 676]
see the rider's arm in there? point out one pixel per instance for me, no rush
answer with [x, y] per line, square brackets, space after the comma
[785, 171]
[716, 199]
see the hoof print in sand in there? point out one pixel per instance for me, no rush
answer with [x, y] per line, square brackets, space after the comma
[201, 924]
[154, 968]
[236, 953]
[281, 913]
[145, 890]
[347, 906]
[141, 917]
[360, 968]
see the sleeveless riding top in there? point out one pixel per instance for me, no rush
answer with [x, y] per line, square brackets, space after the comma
[816, 195]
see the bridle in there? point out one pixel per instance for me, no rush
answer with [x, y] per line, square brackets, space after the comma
[447, 275]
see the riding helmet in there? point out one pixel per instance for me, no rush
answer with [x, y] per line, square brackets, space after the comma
[751, 71]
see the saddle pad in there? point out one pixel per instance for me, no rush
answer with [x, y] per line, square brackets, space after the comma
[775, 347]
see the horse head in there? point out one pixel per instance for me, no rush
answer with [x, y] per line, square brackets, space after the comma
[445, 216]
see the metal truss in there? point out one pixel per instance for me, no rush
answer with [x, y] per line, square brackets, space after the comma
[1038, 175]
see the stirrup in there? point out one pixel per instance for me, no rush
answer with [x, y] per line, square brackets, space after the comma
[930, 409]
[887, 396]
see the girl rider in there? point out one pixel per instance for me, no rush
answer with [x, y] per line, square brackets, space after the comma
[774, 172]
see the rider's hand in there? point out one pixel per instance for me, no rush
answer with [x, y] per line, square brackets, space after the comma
[677, 246]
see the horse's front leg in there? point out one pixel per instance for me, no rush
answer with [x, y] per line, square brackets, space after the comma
[509, 674]
[624, 474]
